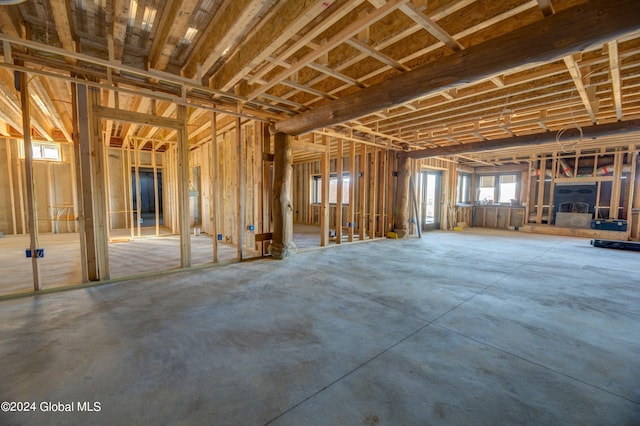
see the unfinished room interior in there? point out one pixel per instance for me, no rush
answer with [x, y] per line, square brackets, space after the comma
[320, 212]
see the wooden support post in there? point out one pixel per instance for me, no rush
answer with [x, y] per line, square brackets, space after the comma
[50, 202]
[21, 179]
[125, 200]
[129, 190]
[137, 149]
[324, 206]
[598, 205]
[401, 204]
[80, 215]
[552, 185]
[240, 189]
[28, 162]
[373, 192]
[98, 185]
[530, 192]
[87, 215]
[176, 184]
[258, 185]
[384, 170]
[636, 178]
[353, 179]
[362, 228]
[390, 187]
[74, 187]
[339, 161]
[104, 143]
[541, 177]
[412, 189]
[215, 191]
[526, 201]
[11, 191]
[256, 167]
[616, 187]
[156, 194]
[283, 245]
[634, 196]
[267, 161]
[183, 188]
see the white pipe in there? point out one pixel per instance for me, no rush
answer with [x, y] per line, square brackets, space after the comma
[605, 170]
[536, 173]
[565, 168]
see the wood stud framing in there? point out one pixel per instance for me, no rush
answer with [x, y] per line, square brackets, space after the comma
[365, 86]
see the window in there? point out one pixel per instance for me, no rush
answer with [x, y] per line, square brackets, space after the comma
[499, 188]
[487, 189]
[316, 189]
[507, 188]
[42, 150]
[464, 188]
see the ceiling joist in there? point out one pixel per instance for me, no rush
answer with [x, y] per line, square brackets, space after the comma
[578, 27]
[589, 132]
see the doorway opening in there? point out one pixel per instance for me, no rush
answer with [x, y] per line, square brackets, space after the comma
[146, 197]
[430, 197]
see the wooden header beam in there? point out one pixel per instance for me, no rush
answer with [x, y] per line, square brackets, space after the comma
[590, 132]
[137, 117]
[554, 37]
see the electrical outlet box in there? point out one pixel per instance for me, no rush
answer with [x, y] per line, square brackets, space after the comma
[39, 252]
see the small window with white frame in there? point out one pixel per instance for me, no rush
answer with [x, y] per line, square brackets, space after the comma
[49, 151]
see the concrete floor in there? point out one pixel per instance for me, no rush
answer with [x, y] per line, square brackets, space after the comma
[478, 327]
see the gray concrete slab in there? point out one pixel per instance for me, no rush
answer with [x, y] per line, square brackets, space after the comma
[439, 377]
[479, 327]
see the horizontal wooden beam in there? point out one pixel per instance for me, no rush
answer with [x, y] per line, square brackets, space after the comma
[590, 132]
[307, 146]
[136, 117]
[267, 236]
[556, 36]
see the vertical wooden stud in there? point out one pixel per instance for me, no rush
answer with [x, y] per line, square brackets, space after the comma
[240, 189]
[540, 206]
[373, 193]
[353, 180]
[183, 188]
[80, 215]
[324, 206]
[11, 191]
[215, 194]
[98, 185]
[266, 184]
[339, 163]
[362, 228]
[616, 187]
[391, 183]
[137, 148]
[31, 201]
[87, 217]
[156, 194]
